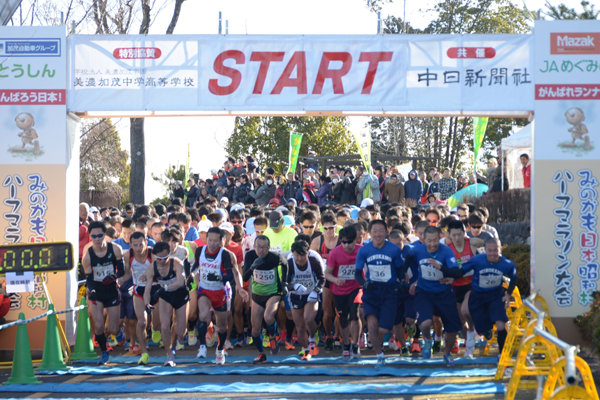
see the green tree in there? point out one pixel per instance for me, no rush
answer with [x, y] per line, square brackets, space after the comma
[561, 11]
[267, 139]
[103, 164]
[173, 175]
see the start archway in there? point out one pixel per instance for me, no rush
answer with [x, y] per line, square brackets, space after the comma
[49, 79]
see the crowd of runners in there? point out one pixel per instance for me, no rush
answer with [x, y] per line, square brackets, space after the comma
[281, 264]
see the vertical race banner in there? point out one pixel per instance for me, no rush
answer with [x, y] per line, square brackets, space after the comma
[363, 140]
[33, 160]
[479, 124]
[566, 168]
[295, 143]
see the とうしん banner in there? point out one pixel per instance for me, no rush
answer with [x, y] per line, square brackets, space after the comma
[376, 73]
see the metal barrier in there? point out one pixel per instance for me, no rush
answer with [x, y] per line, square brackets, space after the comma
[554, 363]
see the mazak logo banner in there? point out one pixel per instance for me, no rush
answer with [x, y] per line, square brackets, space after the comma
[575, 43]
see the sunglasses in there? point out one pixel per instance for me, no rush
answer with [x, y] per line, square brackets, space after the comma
[236, 222]
[99, 236]
[308, 226]
[161, 258]
[328, 228]
[476, 226]
[259, 231]
[347, 241]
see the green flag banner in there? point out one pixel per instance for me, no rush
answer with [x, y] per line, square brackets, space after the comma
[363, 140]
[479, 123]
[295, 143]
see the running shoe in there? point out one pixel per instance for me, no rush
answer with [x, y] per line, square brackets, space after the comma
[363, 340]
[261, 359]
[211, 338]
[170, 361]
[289, 346]
[228, 345]
[282, 336]
[120, 338]
[202, 351]
[346, 356]
[104, 358]
[192, 338]
[136, 351]
[156, 336]
[95, 342]
[241, 342]
[314, 349]
[449, 360]
[415, 347]
[380, 362]
[127, 344]
[274, 346]
[144, 359]
[305, 355]
[437, 346]
[427, 349]
[295, 339]
[329, 344]
[455, 348]
[488, 335]
[369, 345]
[404, 352]
[112, 341]
[393, 344]
[249, 340]
[266, 340]
[469, 353]
[337, 344]
[355, 352]
[173, 351]
[470, 342]
[179, 345]
[220, 359]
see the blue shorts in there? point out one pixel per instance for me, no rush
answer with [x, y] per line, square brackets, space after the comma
[127, 309]
[381, 302]
[442, 304]
[486, 308]
[405, 308]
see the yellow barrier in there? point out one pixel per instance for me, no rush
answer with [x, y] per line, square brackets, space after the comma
[542, 354]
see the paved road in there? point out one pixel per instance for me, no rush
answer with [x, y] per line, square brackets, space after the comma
[265, 380]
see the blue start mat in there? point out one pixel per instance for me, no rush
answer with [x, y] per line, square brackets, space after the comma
[279, 370]
[296, 360]
[240, 387]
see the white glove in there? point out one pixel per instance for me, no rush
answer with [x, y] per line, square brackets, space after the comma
[299, 288]
[313, 297]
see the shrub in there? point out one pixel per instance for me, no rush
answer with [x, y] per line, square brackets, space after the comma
[519, 254]
[509, 206]
[589, 323]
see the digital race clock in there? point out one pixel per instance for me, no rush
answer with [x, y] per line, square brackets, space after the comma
[36, 257]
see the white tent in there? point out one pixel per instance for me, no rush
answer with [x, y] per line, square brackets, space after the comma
[512, 148]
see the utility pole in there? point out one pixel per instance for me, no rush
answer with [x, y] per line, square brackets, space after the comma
[220, 24]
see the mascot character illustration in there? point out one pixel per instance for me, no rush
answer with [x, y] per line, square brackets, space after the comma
[28, 135]
[579, 131]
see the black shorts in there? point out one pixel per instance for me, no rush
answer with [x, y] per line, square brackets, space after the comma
[108, 295]
[139, 292]
[262, 300]
[347, 306]
[461, 292]
[298, 301]
[177, 298]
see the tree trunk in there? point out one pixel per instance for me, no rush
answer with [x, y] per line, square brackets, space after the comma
[138, 161]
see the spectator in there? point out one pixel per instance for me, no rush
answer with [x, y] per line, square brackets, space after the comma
[412, 189]
[394, 190]
[264, 192]
[290, 188]
[526, 170]
[325, 190]
[192, 193]
[434, 186]
[336, 190]
[242, 188]
[447, 185]
[348, 188]
[426, 186]
[372, 182]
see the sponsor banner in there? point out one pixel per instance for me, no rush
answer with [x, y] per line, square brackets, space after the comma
[33, 159]
[301, 73]
[566, 164]
[295, 143]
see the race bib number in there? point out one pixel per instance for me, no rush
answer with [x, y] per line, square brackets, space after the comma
[430, 273]
[490, 281]
[264, 277]
[346, 272]
[309, 284]
[277, 249]
[204, 277]
[102, 271]
[380, 273]
[137, 277]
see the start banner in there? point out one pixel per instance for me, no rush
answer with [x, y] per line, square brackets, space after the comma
[376, 73]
